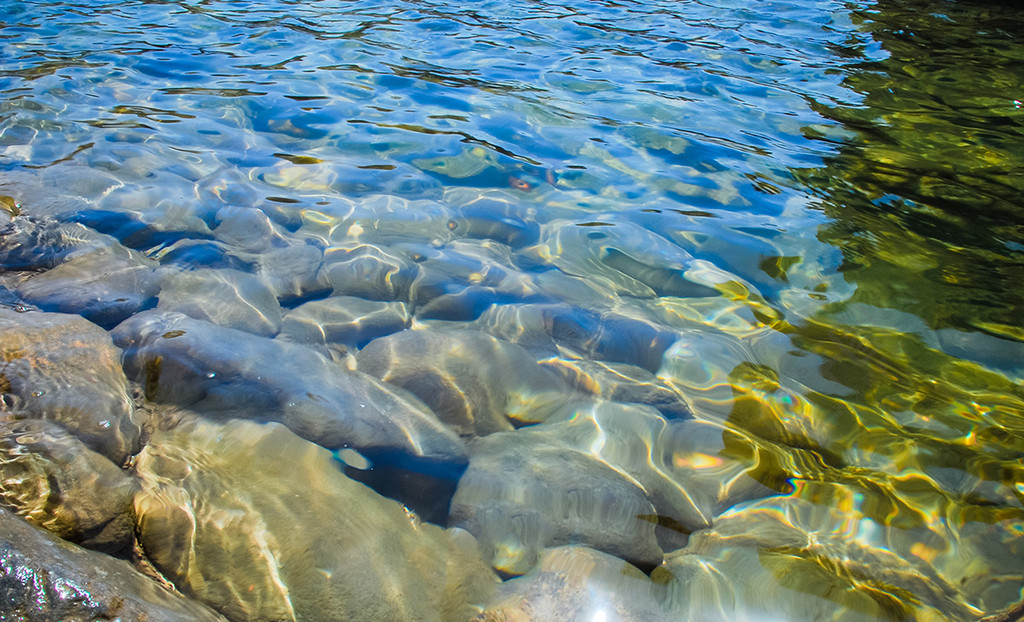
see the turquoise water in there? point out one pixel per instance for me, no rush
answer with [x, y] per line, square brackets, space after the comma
[792, 231]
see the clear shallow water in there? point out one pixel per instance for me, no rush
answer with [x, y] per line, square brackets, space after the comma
[798, 223]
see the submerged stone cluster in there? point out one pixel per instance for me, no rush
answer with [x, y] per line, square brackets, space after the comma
[368, 433]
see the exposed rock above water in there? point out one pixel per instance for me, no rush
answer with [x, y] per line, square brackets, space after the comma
[263, 526]
[475, 383]
[48, 477]
[43, 578]
[219, 370]
[66, 369]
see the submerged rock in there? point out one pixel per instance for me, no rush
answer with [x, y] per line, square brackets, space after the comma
[224, 297]
[66, 369]
[366, 271]
[262, 525]
[577, 584]
[49, 478]
[343, 320]
[219, 370]
[475, 383]
[523, 493]
[43, 578]
[104, 282]
[606, 336]
[619, 382]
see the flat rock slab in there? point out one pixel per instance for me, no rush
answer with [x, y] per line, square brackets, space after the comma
[475, 383]
[49, 478]
[66, 369]
[217, 370]
[43, 578]
[523, 493]
[262, 525]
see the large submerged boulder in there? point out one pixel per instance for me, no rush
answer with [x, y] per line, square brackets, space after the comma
[66, 369]
[262, 525]
[222, 371]
[43, 578]
[49, 478]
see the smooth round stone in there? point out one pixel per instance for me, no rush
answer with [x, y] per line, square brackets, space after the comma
[245, 229]
[262, 525]
[104, 283]
[291, 271]
[344, 320]
[44, 578]
[49, 478]
[475, 383]
[366, 271]
[578, 584]
[66, 369]
[523, 493]
[217, 370]
[224, 297]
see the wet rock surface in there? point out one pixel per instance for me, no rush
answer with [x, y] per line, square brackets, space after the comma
[49, 478]
[226, 372]
[261, 524]
[66, 369]
[43, 578]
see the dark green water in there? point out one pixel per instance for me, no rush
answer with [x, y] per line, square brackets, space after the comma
[802, 221]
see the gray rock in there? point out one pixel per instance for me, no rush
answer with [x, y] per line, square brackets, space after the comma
[49, 478]
[224, 297]
[66, 369]
[262, 525]
[366, 271]
[523, 493]
[213, 369]
[344, 320]
[577, 584]
[100, 280]
[475, 383]
[43, 578]
[291, 271]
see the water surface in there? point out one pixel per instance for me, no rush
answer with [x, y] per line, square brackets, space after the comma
[796, 226]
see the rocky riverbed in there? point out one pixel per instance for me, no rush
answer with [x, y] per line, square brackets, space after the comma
[192, 443]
